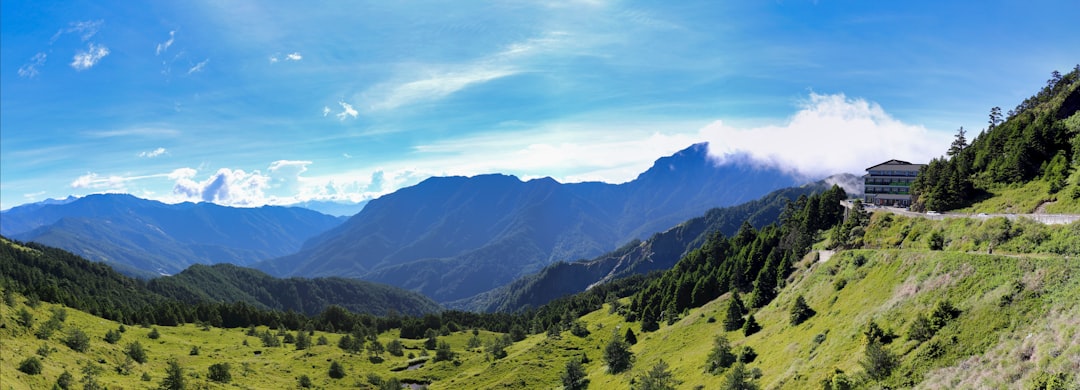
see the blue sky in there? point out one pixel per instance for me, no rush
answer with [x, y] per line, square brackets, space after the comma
[256, 102]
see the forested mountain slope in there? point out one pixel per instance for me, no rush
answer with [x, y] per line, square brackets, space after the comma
[230, 283]
[1035, 146]
[660, 252]
[55, 275]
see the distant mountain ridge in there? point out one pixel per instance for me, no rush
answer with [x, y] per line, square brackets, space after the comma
[138, 234]
[659, 252]
[454, 237]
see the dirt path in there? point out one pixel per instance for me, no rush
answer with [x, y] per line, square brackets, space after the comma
[1041, 209]
[824, 255]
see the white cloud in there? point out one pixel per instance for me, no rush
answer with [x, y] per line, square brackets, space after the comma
[438, 86]
[295, 56]
[93, 181]
[347, 110]
[30, 69]
[829, 134]
[153, 153]
[164, 46]
[199, 67]
[273, 59]
[325, 111]
[226, 186]
[87, 59]
[85, 30]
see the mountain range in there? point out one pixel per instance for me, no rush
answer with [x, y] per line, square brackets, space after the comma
[454, 237]
[147, 238]
[659, 252]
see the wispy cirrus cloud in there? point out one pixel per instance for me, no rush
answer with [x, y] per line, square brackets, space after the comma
[84, 29]
[93, 181]
[134, 132]
[442, 81]
[30, 69]
[164, 46]
[438, 86]
[294, 56]
[153, 153]
[198, 67]
[86, 59]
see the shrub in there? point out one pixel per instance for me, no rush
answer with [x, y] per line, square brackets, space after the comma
[657, 378]
[738, 378]
[219, 372]
[174, 377]
[154, 334]
[942, 314]
[497, 348]
[878, 361]
[747, 355]
[194, 350]
[874, 334]
[394, 347]
[65, 380]
[77, 340]
[305, 381]
[112, 336]
[920, 329]
[443, 352]
[322, 341]
[618, 357]
[44, 350]
[336, 370]
[136, 352]
[574, 376]
[578, 329]
[30, 366]
[26, 319]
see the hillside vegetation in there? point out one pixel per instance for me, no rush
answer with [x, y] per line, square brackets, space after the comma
[659, 252]
[1021, 160]
[229, 283]
[978, 333]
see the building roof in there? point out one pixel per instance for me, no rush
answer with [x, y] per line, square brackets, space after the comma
[898, 165]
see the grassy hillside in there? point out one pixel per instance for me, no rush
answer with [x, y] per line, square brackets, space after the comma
[1015, 327]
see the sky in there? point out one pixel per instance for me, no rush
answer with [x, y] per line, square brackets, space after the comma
[247, 103]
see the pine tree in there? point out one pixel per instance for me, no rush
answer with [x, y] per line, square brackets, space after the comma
[751, 326]
[800, 311]
[657, 378]
[721, 356]
[733, 320]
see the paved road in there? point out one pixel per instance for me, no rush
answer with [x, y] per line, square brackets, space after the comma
[1048, 219]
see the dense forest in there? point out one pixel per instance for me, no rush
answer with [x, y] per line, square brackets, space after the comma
[230, 283]
[1038, 140]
